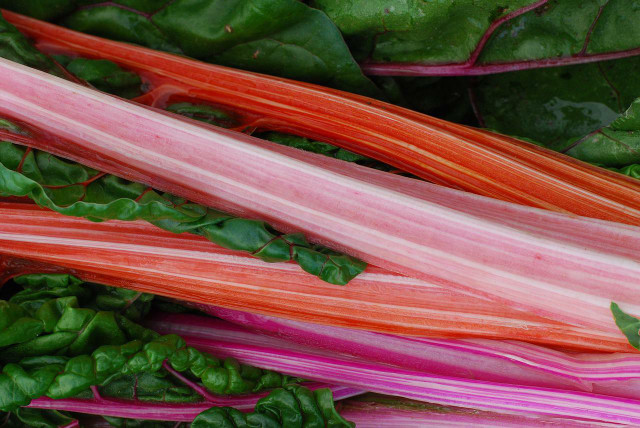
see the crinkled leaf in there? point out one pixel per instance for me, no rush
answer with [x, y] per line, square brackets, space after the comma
[158, 386]
[282, 37]
[16, 325]
[63, 378]
[68, 330]
[630, 170]
[72, 189]
[628, 324]
[41, 288]
[290, 407]
[78, 347]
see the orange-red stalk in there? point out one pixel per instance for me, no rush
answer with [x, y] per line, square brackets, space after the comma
[140, 256]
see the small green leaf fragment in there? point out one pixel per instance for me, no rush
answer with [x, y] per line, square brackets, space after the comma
[628, 324]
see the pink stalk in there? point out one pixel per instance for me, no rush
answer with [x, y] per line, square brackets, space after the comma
[179, 412]
[139, 256]
[490, 360]
[405, 228]
[381, 415]
[384, 379]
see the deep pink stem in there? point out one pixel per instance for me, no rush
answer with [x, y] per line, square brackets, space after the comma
[464, 69]
[96, 393]
[498, 22]
[193, 385]
[178, 412]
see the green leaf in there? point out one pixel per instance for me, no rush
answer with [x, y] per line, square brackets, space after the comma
[559, 106]
[78, 347]
[38, 289]
[136, 423]
[282, 37]
[40, 9]
[15, 47]
[72, 189]
[156, 387]
[204, 113]
[68, 330]
[617, 144]
[629, 325]
[630, 170]
[289, 407]
[449, 31]
[40, 418]
[116, 366]
[321, 148]
[564, 29]
[106, 76]
[415, 31]
[443, 97]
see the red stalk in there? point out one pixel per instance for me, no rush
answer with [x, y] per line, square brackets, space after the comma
[450, 154]
[139, 256]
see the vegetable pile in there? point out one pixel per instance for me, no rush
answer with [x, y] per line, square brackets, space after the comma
[186, 244]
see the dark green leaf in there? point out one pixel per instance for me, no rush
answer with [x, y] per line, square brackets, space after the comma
[121, 364]
[40, 418]
[630, 170]
[322, 148]
[566, 28]
[629, 325]
[449, 31]
[15, 47]
[16, 325]
[136, 423]
[158, 386]
[204, 113]
[282, 37]
[617, 144]
[41, 9]
[72, 189]
[443, 97]
[558, 106]
[106, 76]
[289, 407]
